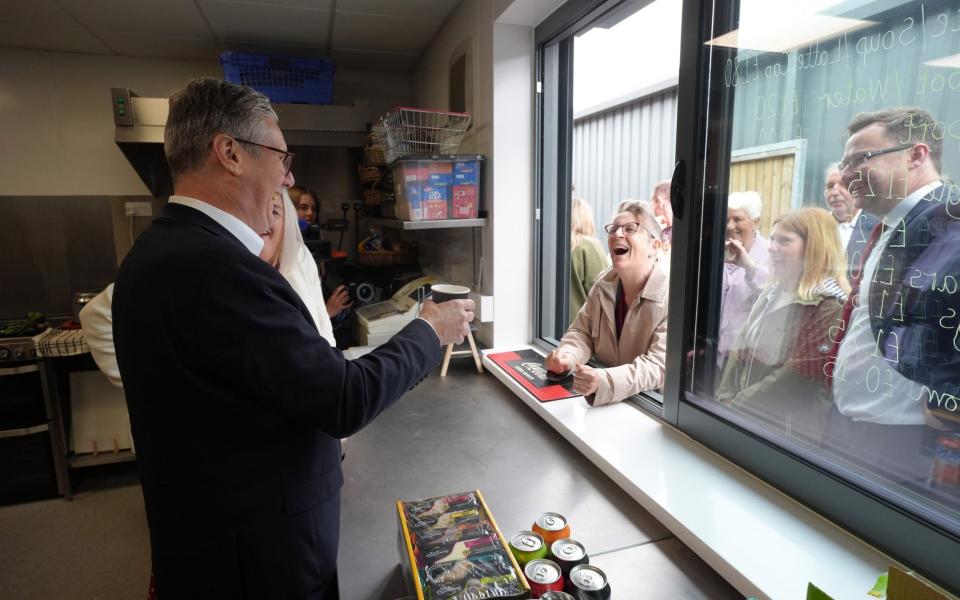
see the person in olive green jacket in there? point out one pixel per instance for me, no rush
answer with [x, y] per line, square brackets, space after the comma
[587, 259]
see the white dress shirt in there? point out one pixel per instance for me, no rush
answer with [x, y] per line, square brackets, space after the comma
[846, 229]
[240, 230]
[866, 386]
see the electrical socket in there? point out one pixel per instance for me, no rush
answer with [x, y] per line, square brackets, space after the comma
[138, 209]
[483, 307]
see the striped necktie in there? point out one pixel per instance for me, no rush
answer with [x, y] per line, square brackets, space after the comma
[854, 293]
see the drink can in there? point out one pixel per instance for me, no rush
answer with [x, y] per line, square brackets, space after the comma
[946, 461]
[552, 526]
[568, 553]
[543, 575]
[553, 595]
[587, 582]
[527, 546]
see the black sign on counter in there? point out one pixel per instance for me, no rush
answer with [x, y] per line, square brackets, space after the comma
[526, 366]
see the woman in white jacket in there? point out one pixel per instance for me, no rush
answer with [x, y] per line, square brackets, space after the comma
[283, 248]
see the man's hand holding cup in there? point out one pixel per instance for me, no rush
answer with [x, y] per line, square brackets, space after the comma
[449, 313]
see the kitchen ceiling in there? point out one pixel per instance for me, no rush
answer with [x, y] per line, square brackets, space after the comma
[381, 35]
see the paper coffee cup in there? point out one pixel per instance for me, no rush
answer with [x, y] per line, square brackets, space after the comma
[442, 292]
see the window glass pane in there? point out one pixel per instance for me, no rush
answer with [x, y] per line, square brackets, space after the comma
[551, 246]
[622, 150]
[836, 330]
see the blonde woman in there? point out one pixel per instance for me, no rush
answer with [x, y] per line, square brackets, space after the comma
[587, 259]
[777, 373]
[283, 248]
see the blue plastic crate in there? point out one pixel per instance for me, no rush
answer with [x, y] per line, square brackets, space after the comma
[282, 78]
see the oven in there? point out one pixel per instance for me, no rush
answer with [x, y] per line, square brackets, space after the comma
[27, 467]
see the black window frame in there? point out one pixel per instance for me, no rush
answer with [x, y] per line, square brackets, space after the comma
[703, 146]
[553, 159]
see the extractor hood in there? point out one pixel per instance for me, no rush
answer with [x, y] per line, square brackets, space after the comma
[140, 122]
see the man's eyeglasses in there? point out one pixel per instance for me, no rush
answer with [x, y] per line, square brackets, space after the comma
[857, 160]
[286, 159]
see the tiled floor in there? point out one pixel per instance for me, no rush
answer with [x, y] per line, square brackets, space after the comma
[94, 547]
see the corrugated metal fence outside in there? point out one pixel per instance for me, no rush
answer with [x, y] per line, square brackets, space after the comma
[623, 151]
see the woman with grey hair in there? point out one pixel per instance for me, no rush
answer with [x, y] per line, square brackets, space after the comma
[623, 323]
[745, 269]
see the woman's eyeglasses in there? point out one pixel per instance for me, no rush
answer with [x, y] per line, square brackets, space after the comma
[629, 228]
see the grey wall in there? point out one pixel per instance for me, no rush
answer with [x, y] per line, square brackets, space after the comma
[623, 151]
[51, 248]
[56, 118]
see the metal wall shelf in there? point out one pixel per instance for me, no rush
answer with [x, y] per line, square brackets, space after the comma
[415, 225]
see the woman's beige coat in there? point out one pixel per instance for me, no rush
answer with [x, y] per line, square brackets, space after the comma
[637, 359]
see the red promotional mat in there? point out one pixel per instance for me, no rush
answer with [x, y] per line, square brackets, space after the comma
[526, 366]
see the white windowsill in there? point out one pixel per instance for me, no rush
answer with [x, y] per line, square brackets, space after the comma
[760, 540]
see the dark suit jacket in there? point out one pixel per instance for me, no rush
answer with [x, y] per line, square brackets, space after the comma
[237, 406]
[915, 297]
[858, 240]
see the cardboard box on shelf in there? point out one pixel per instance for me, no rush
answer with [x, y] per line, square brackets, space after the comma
[436, 202]
[441, 172]
[466, 172]
[437, 188]
[464, 202]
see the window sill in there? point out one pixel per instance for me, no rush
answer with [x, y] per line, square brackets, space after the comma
[760, 540]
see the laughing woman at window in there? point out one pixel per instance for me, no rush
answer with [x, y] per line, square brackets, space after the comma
[777, 374]
[623, 323]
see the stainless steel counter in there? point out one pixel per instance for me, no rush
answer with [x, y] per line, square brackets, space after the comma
[466, 431]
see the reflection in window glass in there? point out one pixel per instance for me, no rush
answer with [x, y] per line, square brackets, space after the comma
[620, 215]
[840, 305]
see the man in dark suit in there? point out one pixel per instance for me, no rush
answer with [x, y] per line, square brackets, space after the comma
[853, 224]
[899, 356]
[236, 402]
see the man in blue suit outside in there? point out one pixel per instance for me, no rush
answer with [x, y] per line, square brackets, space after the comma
[894, 379]
[853, 224]
[236, 403]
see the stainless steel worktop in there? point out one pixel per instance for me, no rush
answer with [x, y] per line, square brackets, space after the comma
[467, 431]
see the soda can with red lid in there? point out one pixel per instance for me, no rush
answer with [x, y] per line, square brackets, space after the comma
[946, 461]
[556, 596]
[526, 546]
[568, 553]
[552, 526]
[587, 582]
[544, 576]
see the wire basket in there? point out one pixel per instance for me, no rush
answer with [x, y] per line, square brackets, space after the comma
[372, 197]
[413, 131]
[373, 152]
[369, 173]
[407, 253]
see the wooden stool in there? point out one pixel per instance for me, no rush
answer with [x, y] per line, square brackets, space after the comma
[450, 352]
